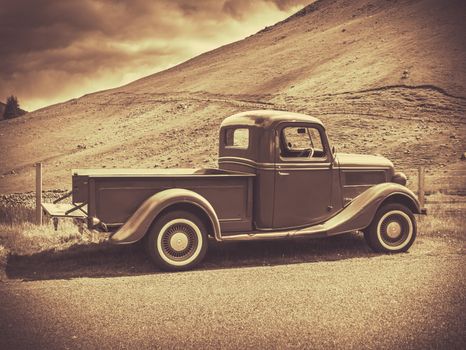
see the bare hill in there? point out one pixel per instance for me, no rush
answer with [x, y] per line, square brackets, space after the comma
[334, 46]
[385, 76]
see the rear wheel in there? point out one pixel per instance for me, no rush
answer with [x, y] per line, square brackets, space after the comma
[392, 230]
[177, 241]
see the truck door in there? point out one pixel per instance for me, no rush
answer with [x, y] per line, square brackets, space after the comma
[303, 176]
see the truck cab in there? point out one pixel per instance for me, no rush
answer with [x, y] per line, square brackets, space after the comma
[300, 180]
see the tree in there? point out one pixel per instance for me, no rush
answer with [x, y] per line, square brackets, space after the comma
[12, 109]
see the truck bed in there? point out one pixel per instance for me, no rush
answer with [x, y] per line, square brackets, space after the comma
[113, 195]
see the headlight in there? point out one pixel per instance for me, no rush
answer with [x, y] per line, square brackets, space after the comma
[399, 178]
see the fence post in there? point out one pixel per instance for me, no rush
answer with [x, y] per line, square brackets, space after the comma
[420, 188]
[38, 193]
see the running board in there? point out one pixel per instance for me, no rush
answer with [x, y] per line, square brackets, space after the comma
[317, 231]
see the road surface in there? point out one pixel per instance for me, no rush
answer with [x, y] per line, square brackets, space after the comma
[414, 300]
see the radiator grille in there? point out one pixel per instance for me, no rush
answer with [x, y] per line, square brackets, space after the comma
[353, 178]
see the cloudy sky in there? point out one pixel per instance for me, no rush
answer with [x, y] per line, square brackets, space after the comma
[54, 50]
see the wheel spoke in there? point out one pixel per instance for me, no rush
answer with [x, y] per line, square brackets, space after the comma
[179, 241]
[395, 229]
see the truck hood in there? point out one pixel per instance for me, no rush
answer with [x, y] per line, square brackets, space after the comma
[349, 160]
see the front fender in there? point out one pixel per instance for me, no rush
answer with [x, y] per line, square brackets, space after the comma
[139, 223]
[361, 210]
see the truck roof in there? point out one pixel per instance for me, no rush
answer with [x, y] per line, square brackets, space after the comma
[267, 118]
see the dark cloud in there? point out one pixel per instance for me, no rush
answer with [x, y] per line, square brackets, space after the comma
[241, 8]
[56, 49]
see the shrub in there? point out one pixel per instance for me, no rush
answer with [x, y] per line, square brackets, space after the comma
[12, 109]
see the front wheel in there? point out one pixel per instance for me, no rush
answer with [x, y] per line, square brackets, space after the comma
[177, 241]
[392, 230]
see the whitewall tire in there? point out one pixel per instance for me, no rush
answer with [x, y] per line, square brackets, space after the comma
[392, 230]
[177, 241]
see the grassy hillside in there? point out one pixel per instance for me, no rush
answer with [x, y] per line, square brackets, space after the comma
[385, 77]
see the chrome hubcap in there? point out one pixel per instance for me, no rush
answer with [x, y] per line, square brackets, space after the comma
[179, 241]
[393, 229]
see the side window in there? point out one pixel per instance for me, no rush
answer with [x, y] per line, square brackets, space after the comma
[297, 139]
[301, 142]
[237, 138]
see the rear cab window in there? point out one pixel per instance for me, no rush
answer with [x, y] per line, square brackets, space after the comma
[237, 138]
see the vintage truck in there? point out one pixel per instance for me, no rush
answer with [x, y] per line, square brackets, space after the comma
[278, 177]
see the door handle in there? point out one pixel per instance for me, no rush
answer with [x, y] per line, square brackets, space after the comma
[283, 174]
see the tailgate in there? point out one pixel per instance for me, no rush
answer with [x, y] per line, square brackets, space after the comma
[63, 210]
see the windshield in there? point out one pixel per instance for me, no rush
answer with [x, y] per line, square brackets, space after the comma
[301, 142]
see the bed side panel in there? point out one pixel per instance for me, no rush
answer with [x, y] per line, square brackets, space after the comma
[116, 199]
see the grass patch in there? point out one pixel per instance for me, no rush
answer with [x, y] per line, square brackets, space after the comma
[16, 214]
[33, 252]
[444, 219]
[28, 251]
[3, 262]
[27, 238]
[18, 235]
[18, 208]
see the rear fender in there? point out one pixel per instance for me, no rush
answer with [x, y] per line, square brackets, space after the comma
[139, 223]
[359, 213]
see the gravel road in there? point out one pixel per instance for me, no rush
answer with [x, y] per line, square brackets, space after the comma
[413, 300]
